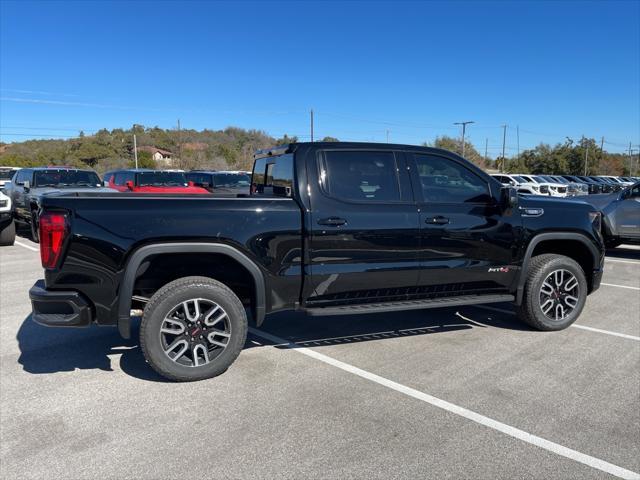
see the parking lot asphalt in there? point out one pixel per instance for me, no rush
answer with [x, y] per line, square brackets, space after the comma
[464, 392]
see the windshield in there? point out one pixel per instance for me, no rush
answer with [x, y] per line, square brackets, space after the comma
[66, 178]
[161, 179]
[539, 179]
[231, 180]
[6, 174]
[519, 179]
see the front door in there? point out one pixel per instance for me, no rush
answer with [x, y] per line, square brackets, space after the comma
[364, 243]
[468, 243]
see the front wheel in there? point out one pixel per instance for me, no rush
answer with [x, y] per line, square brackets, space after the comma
[554, 293]
[192, 329]
[8, 234]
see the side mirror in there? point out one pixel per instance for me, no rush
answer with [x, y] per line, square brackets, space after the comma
[27, 185]
[509, 197]
[129, 184]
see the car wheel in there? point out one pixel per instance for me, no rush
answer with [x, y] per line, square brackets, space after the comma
[555, 292]
[8, 234]
[192, 329]
[35, 227]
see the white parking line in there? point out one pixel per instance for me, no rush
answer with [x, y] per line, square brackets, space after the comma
[583, 327]
[620, 286]
[615, 260]
[458, 410]
[28, 247]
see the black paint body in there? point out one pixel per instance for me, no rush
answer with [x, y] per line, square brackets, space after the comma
[384, 251]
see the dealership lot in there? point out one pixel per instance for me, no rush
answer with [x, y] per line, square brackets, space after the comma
[463, 392]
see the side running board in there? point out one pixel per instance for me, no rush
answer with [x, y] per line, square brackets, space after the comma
[409, 305]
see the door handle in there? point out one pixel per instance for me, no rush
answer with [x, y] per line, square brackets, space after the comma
[438, 220]
[332, 221]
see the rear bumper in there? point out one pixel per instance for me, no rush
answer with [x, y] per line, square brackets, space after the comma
[54, 308]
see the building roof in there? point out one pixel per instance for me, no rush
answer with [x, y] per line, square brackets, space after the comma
[151, 149]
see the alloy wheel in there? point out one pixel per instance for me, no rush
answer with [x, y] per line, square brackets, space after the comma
[559, 295]
[195, 332]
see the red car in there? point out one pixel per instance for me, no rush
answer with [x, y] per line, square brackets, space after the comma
[150, 181]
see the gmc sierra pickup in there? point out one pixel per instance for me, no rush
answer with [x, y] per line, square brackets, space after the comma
[328, 229]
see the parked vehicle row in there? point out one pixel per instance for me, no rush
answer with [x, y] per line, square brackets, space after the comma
[7, 226]
[24, 188]
[564, 185]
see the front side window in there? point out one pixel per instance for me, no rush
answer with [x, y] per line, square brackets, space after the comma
[446, 181]
[360, 176]
[231, 180]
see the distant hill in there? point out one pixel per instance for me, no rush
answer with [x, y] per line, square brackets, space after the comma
[231, 148]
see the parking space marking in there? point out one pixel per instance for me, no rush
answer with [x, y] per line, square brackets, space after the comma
[574, 325]
[28, 247]
[615, 260]
[620, 286]
[514, 432]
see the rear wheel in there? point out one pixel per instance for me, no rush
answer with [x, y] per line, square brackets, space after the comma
[193, 328]
[554, 293]
[8, 234]
[35, 226]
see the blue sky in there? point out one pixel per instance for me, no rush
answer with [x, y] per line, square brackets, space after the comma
[554, 69]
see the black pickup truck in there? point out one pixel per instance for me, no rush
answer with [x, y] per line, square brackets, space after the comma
[328, 229]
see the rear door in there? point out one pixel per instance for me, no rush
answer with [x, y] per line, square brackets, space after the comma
[469, 245]
[627, 213]
[19, 200]
[364, 243]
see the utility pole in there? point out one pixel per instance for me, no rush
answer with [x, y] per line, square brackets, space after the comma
[486, 147]
[135, 149]
[518, 137]
[179, 143]
[464, 127]
[602, 146]
[586, 160]
[504, 141]
[311, 124]
[630, 158]
[387, 136]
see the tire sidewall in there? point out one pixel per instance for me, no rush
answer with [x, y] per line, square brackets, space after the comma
[155, 313]
[536, 284]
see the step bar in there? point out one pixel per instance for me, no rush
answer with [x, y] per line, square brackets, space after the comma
[401, 305]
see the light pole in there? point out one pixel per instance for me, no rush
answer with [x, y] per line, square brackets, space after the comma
[464, 127]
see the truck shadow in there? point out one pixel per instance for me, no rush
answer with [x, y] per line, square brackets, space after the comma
[49, 350]
[623, 252]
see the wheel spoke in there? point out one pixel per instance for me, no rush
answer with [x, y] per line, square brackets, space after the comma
[211, 311]
[210, 323]
[547, 306]
[196, 308]
[559, 277]
[172, 327]
[179, 342]
[571, 284]
[218, 333]
[196, 351]
[546, 288]
[559, 310]
[571, 301]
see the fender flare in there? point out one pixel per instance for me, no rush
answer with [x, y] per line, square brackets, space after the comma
[542, 237]
[142, 253]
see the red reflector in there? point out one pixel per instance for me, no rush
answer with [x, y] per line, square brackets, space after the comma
[53, 230]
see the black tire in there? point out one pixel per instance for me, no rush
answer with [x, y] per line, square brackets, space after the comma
[541, 268]
[170, 297]
[35, 233]
[8, 234]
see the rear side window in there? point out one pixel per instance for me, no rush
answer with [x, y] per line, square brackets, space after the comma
[199, 178]
[446, 181]
[273, 176]
[360, 176]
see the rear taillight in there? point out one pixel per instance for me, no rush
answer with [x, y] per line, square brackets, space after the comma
[53, 231]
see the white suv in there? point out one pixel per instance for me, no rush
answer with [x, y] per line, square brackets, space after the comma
[7, 226]
[521, 184]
